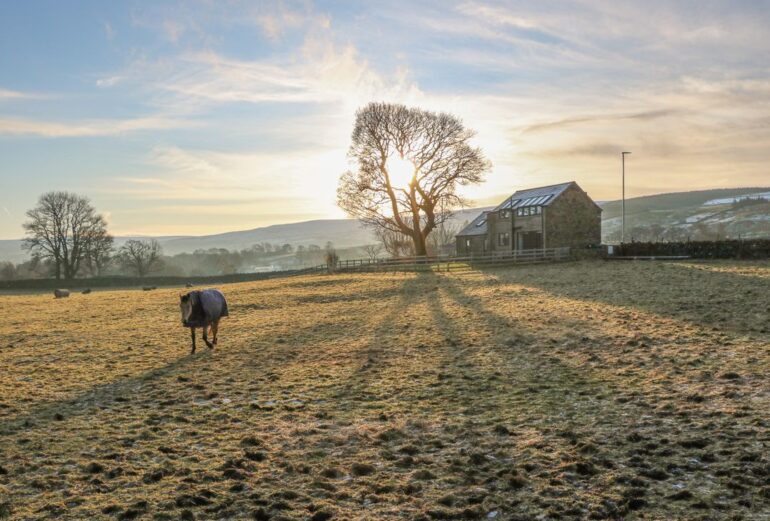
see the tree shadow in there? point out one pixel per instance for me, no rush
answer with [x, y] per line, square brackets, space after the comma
[372, 360]
[92, 398]
[524, 363]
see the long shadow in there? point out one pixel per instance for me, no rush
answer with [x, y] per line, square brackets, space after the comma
[705, 298]
[525, 362]
[116, 391]
[475, 384]
[373, 358]
[94, 397]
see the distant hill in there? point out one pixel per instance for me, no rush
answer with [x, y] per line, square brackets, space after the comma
[344, 233]
[684, 212]
[673, 201]
[719, 213]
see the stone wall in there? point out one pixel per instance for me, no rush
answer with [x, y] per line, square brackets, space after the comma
[476, 247]
[573, 220]
[497, 225]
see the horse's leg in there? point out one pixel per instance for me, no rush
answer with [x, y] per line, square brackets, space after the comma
[192, 335]
[206, 337]
[214, 331]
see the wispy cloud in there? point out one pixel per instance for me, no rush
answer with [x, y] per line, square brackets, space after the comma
[7, 94]
[109, 31]
[108, 81]
[325, 73]
[643, 115]
[53, 129]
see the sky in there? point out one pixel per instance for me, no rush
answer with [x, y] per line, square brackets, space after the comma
[198, 117]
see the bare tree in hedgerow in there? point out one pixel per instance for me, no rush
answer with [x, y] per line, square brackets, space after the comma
[141, 257]
[61, 228]
[443, 237]
[98, 254]
[395, 244]
[408, 165]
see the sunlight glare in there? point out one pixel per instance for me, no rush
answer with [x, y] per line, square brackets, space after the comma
[400, 171]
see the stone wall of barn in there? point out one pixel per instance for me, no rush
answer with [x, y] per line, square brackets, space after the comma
[497, 225]
[476, 246]
[573, 220]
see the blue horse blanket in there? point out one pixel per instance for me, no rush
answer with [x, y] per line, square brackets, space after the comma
[208, 305]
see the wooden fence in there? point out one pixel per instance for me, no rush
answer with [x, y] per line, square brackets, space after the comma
[450, 263]
[439, 264]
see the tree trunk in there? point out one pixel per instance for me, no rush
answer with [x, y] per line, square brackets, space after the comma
[420, 249]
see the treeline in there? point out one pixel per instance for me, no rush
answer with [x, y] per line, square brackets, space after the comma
[67, 239]
[145, 258]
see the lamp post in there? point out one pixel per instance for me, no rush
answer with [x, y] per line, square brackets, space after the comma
[623, 203]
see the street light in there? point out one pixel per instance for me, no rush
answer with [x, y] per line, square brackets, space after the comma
[623, 204]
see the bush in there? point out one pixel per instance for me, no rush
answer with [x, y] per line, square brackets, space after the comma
[725, 249]
[332, 259]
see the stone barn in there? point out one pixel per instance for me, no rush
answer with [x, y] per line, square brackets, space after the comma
[546, 217]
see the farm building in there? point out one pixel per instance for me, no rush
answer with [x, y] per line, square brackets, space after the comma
[545, 217]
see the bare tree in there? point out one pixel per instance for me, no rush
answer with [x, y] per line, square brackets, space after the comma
[438, 157]
[7, 270]
[443, 236]
[61, 228]
[331, 258]
[372, 251]
[98, 253]
[141, 257]
[395, 244]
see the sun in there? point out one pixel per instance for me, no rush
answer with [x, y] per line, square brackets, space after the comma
[400, 171]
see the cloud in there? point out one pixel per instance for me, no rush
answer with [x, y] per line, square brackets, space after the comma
[51, 129]
[326, 73]
[575, 120]
[109, 31]
[6, 94]
[276, 19]
[173, 30]
[231, 188]
[109, 81]
[209, 175]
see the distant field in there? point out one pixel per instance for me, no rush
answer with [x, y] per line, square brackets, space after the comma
[571, 391]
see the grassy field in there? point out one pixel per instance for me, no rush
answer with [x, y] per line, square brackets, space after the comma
[573, 391]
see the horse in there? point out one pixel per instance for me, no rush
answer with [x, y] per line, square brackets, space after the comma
[203, 309]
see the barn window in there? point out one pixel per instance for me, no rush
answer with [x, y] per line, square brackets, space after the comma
[467, 244]
[503, 239]
[528, 210]
[505, 214]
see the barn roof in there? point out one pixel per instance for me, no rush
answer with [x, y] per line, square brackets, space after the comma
[478, 226]
[542, 196]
